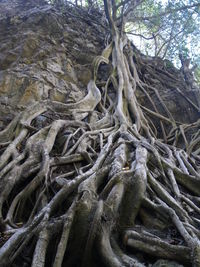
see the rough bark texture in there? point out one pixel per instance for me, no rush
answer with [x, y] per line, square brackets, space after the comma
[99, 145]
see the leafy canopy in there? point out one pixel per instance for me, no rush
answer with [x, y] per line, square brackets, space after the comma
[167, 28]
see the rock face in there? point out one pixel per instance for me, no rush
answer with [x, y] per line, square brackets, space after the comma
[43, 55]
[47, 54]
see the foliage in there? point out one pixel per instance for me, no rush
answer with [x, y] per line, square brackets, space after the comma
[165, 29]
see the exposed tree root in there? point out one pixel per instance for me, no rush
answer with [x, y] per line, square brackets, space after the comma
[82, 188]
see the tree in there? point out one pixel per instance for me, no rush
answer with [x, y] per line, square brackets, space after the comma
[125, 161]
[166, 29]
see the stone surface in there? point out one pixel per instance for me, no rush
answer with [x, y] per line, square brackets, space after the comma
[43, 54]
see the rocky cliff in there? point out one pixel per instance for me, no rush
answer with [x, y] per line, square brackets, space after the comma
[47, 54]
[44, 54]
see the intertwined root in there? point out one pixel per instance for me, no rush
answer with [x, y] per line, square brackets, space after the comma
[99, 183]
[103, 191]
